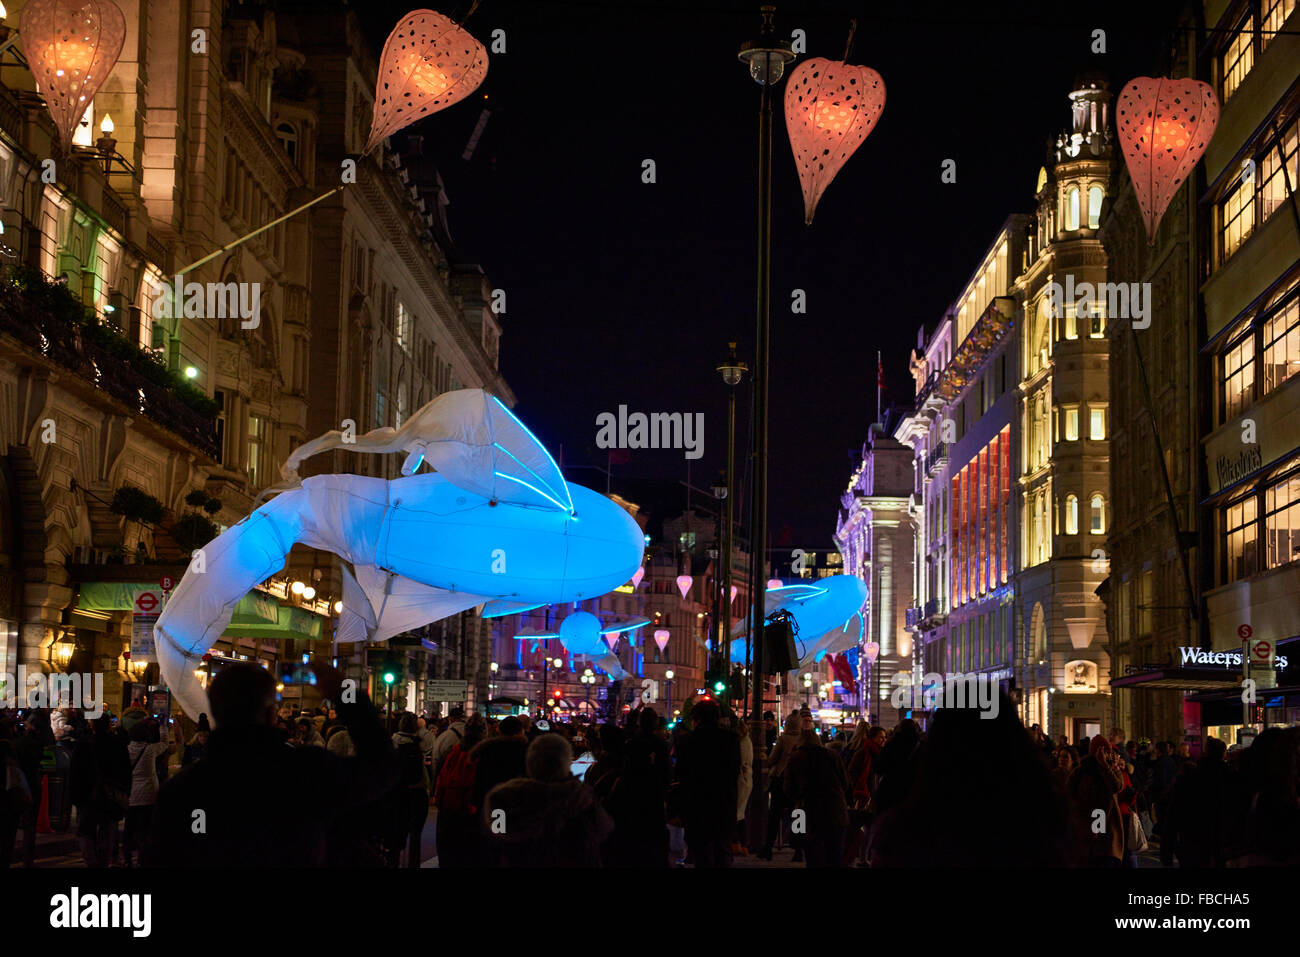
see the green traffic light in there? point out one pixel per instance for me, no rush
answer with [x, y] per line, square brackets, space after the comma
[719, 686]
[389, 677]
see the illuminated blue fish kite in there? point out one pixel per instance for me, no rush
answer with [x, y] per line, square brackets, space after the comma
[823, 611]
[496, 525]
[583, 634]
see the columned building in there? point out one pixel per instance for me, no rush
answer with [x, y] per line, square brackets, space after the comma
[875, 534]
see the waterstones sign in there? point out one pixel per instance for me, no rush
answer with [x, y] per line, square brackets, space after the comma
[1234, 468]
[1224, 659]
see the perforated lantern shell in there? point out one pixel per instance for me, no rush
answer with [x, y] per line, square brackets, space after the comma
[684, 583]
[661, 638]
[1164, 127]
[71, 47]
[830, 107]
[428, 64]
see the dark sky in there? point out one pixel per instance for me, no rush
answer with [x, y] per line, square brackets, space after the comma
[619, 292]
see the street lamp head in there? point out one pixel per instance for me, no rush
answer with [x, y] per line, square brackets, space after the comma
[668, 674]
[733, 370]
[767, 56]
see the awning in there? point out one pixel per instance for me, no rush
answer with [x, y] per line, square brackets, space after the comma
[254, 608]
[290, 623]
[1180, 679]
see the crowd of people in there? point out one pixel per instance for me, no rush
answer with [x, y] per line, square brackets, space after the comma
[346, 787]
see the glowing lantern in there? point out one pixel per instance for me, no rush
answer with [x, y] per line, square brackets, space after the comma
[612, 641]
[1164, 127]
[734, 589]
[428, 63]
[830, 107]
[71, 47]
[661, 638]
[774, 583]
[637, 576]
[684, 583]
[873, 650]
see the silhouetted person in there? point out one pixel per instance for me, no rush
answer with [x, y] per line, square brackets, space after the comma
[983, 798]
[1270, 772]
[815, 784]
[549, 818]
[253, 802]
[1095, 787]
[1203, 811]
[708, 767]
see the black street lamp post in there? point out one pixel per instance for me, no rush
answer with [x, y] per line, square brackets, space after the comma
[766, 60]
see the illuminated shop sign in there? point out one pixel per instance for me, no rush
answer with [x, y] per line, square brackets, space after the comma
[1224, 659]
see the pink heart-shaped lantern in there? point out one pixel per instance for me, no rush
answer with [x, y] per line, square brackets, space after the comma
[1164, 127]
[830, 107]
[71, 47]
[429, 62]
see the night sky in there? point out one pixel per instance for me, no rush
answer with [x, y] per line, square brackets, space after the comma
[619, 292]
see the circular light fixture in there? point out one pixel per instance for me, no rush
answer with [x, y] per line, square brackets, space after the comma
[297, 588]
[669, 674]
[558, 663]
[308, 593]
[338, 608]
[191, 372]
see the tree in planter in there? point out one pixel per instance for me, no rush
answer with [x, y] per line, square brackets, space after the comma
[194, 529]
[138, 506]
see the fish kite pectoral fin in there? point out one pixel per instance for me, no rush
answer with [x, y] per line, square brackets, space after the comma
[610, 664]
[357, 620]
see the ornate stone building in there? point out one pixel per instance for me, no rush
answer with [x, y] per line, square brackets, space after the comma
[224, 116]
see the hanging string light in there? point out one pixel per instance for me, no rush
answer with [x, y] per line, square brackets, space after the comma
[71, 47]
[429, 62]
[1164, 127]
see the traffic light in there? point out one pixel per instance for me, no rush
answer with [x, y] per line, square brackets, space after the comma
[391, 670]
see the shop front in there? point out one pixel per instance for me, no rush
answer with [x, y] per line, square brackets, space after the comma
[1215, 701]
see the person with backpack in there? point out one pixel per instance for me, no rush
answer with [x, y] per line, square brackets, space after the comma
[457, 827]
[410, 798]
[444, 742]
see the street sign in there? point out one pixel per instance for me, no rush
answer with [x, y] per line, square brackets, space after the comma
[166, 583]
[1261, 652]
[1245, 631]
[146, 608]
[447, 690]
[148, 603]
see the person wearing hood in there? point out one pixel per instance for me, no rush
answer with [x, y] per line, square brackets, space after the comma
[548, 818]
[789, 739]
[1095, 786]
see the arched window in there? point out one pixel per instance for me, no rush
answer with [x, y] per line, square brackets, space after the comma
[1071, 515]
[1072, 209]
[1095, 196]
[288, 137]
[1098, 515]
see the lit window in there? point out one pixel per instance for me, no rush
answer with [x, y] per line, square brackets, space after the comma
[1072, 209]
[256, 450]
[1071, 515]
[1237, 59]
[1071, 321]
[1237, 214]
[1240, 532]
[1096, 423]
[1282, 521]
[1098, 515]
[1238, 377]
[1282, 342]
[1275, 14]
[1071, 423]
[1095, 196]
[1272, 177]
[402, 326]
